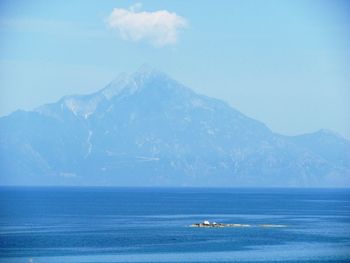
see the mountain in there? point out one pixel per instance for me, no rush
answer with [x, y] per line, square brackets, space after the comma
[147, 129]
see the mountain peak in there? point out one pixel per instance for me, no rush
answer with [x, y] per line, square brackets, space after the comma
[146, 128]
[147, 73]
[147, 70]
[145, 77]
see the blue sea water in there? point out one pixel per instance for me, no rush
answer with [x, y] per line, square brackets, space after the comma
[152, 225]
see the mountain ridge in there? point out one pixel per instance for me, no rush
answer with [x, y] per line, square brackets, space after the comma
[147, 129]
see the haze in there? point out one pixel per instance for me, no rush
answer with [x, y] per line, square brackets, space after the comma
[284, 63]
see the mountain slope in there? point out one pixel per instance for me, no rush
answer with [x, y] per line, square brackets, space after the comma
[148, 129]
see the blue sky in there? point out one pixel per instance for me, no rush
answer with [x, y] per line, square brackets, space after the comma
[286, 63]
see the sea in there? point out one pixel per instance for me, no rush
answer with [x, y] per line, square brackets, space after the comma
[105, 224]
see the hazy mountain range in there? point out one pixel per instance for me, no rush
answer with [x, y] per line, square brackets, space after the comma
[148, 129]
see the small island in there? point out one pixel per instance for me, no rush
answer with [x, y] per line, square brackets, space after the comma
[208, 224]
[214, 224]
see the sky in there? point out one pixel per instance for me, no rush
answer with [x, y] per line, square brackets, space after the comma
[285, 63]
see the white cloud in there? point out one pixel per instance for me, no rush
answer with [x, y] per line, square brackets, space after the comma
[159, 28]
